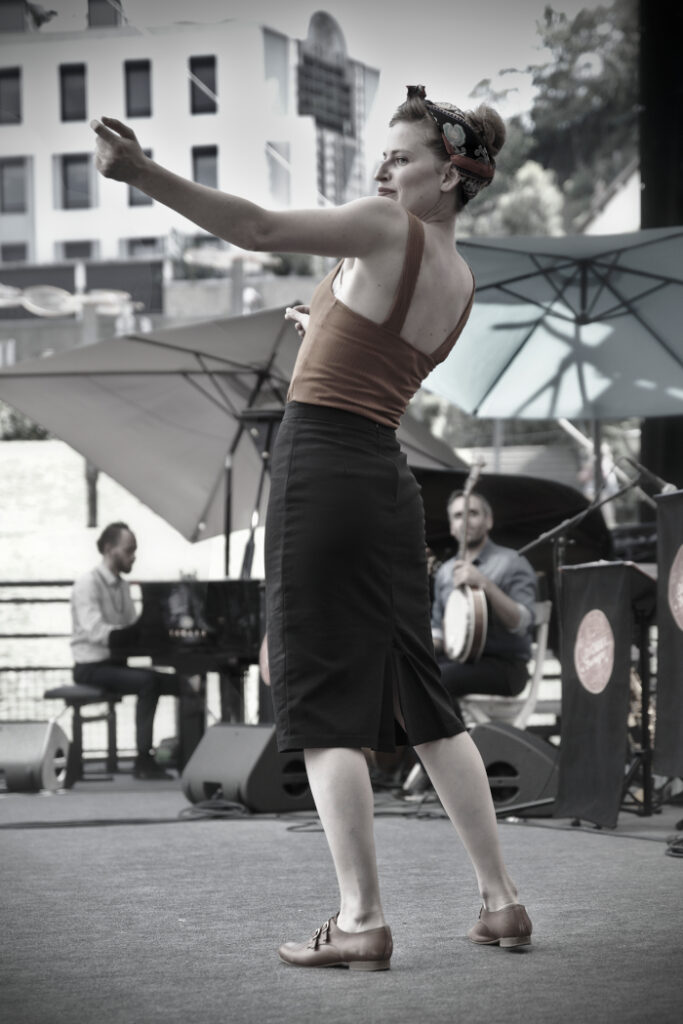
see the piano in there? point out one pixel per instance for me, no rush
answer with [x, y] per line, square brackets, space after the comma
[195, 627]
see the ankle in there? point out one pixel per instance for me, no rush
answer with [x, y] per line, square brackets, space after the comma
[360, 921]
[497, 899]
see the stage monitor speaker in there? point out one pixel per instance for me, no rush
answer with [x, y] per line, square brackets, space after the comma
[522, 768]
[33, 756]
[242, 763]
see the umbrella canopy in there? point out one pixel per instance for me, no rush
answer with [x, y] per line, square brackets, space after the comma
[161, 413]
[579, 326]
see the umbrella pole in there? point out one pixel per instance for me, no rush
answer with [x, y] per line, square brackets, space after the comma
[228, 511]
[597, 457]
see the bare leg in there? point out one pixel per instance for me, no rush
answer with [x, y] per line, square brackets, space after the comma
[340, 784]
[457, 772]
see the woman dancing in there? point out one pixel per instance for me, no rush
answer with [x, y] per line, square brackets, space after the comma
[350, 649]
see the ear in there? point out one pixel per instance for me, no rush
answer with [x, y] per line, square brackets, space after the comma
[451, 177]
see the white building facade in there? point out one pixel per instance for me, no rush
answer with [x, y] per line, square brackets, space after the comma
[233, 105]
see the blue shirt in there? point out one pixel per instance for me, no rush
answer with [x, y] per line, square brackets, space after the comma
[515, 576]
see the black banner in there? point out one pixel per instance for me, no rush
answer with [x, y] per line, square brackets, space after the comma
[598, 628]
[668, 753]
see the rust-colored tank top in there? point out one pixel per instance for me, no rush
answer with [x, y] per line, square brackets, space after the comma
[352, 363]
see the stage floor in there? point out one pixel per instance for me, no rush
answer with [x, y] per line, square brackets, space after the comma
[122, 906]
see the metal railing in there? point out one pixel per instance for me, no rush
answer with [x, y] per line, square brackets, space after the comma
[35, 655]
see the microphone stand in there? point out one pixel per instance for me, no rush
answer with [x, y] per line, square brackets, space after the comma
[558, 535]
[562, 529]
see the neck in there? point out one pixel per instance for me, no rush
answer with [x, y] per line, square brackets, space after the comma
[475, 547]
[111, 568]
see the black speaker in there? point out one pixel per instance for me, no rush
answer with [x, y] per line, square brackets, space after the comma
[242, 763]
[522, 768]
[33, 756]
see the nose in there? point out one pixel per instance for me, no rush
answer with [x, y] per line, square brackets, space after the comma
[382, 171]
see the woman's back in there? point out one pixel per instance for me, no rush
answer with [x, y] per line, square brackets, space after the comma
[443, 289]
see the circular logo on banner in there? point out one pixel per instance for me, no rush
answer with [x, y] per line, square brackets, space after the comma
[676, 588]
[594, 651]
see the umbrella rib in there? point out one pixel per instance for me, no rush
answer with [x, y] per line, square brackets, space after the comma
[217, 385]
[642, 243]
[559, 294]
[660, 278]
[619, 310]
[638, 243]
[186, 351]
[516, 278]
[628, 305]
[224, 405]
[262, 375]
[509, 362]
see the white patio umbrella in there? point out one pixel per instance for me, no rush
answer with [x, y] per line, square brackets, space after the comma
[579, 327]
[164, 414]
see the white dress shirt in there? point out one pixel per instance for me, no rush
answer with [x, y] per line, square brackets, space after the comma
[100, 602]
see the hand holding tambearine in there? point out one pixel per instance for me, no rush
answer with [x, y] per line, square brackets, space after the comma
[118, 153]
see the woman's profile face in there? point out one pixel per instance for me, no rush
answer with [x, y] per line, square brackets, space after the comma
[410, 172]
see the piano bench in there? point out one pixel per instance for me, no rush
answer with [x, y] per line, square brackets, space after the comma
[76, 697]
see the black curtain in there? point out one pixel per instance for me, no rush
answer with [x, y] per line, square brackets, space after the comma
[668, 754]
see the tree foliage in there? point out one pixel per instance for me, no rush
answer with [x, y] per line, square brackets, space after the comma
[581, 134]
[14, 426]
[585, 113]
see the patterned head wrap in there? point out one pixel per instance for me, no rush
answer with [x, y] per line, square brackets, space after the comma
[463, 145]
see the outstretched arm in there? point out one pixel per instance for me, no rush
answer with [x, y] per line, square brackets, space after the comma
[359, 228]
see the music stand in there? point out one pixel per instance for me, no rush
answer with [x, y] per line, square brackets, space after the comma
[607, 606]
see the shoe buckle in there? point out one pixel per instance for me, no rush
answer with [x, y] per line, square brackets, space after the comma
[318, 934]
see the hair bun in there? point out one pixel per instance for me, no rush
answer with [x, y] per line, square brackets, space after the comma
[489, 125]
[418, 91]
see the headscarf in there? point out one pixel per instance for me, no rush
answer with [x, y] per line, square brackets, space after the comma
[464, 146]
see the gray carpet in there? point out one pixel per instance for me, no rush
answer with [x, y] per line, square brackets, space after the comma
[117, 911]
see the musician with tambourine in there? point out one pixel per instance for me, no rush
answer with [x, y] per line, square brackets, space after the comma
[483, 607]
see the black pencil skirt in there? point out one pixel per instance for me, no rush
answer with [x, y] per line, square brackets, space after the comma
[347, 594]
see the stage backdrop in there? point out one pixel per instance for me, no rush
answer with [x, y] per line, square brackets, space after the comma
[598, 629]
[668, 755]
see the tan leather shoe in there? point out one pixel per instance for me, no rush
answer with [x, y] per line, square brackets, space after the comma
[507, 927]
[329, 946]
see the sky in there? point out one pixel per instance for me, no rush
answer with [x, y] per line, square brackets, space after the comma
[447, 45]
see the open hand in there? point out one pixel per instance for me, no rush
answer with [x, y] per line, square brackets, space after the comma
[300, 315]
[118, 153]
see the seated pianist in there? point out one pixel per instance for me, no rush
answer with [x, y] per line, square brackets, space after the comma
[103, 613]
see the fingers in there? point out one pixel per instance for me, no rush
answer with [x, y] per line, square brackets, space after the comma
[101, 131]
[123, 129]
[120, 130]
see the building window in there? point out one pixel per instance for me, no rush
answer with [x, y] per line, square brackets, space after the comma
[203, 85]
[276, 65]
[14, 252]
[325, 94]
[205, 165]
[77, 250]
[12, 16]
[143, 247]
[102, 13]
[10, 95]
[135, 196]
[13, 191]
[138, 88]
[72, 88]
[279, 176]
[75, 181]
